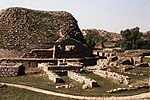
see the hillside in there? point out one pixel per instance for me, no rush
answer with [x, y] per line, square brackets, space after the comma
[20, 27]
[110, 36]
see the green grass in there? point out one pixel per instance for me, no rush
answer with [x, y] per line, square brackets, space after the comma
[147, 60]
[11, 93]
[40, 80]
[137, 70]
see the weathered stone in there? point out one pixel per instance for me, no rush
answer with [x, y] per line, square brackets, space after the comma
[142, 65]
[51, 75]
[128, 89]
[126, 60]
[65, 86]
[112, 75]
[88, 83]
[21, 26]
[138, 59]
[113, 58]
[12, 69]
[126, 67]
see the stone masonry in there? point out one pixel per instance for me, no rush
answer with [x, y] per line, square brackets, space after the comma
[51, 75]
[11, 69]
[112, 75]
[88, 83]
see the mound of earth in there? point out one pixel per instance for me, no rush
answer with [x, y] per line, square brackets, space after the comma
[20, 27]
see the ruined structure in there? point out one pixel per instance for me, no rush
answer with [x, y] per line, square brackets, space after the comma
[88, 83]
[129, 89]
[20, 27]
[68, 48]
[112, 75]
[51, 75]
[62, 65]
[116, 59]
[11, 69]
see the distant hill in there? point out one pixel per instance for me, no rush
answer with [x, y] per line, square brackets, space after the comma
[111, 36]
[20, 27]
[146, 36]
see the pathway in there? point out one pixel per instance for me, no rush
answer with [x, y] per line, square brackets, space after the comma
[134, 97]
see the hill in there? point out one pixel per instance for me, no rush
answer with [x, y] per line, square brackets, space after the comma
[20, 27]
[110, 36]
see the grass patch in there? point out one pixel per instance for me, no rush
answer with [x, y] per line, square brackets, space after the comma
[11, 93]
[40, 80]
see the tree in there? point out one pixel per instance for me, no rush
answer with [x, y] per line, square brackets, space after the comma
[93, 37]
[131, 39]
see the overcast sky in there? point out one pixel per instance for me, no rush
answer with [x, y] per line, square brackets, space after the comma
[110, 15]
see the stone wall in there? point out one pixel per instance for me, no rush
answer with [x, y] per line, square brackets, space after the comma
[88, 83]
[137, 59]
[114, 61]
[105, 54]
[51, 75]
[62, 66]
[112, 75]
[129, 89]
[11, 69]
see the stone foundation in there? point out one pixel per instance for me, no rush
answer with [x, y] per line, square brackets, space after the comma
[112, 75]
[129, 89]
[88, 83]
[51, 75]
[11, 69]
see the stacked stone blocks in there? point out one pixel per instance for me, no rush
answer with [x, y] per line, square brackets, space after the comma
[88, 83]
[9, 69]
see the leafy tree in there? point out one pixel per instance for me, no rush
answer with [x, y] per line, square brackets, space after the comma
[93, 37]
[131, 39]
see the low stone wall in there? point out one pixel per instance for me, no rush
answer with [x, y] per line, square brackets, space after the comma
[145, 64]
[138, 59]
[63, 66]
[124, 68]
[102, 63]
[51, 75]
[54, 77]
[128, 89]
[11, 69]
[88, 83]
[115, 76]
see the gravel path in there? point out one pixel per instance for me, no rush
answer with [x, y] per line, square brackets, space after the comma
[134, 97]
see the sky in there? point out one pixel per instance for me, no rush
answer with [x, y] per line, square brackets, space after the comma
[110, 15]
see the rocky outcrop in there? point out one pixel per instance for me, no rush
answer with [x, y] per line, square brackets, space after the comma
[20, 27]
